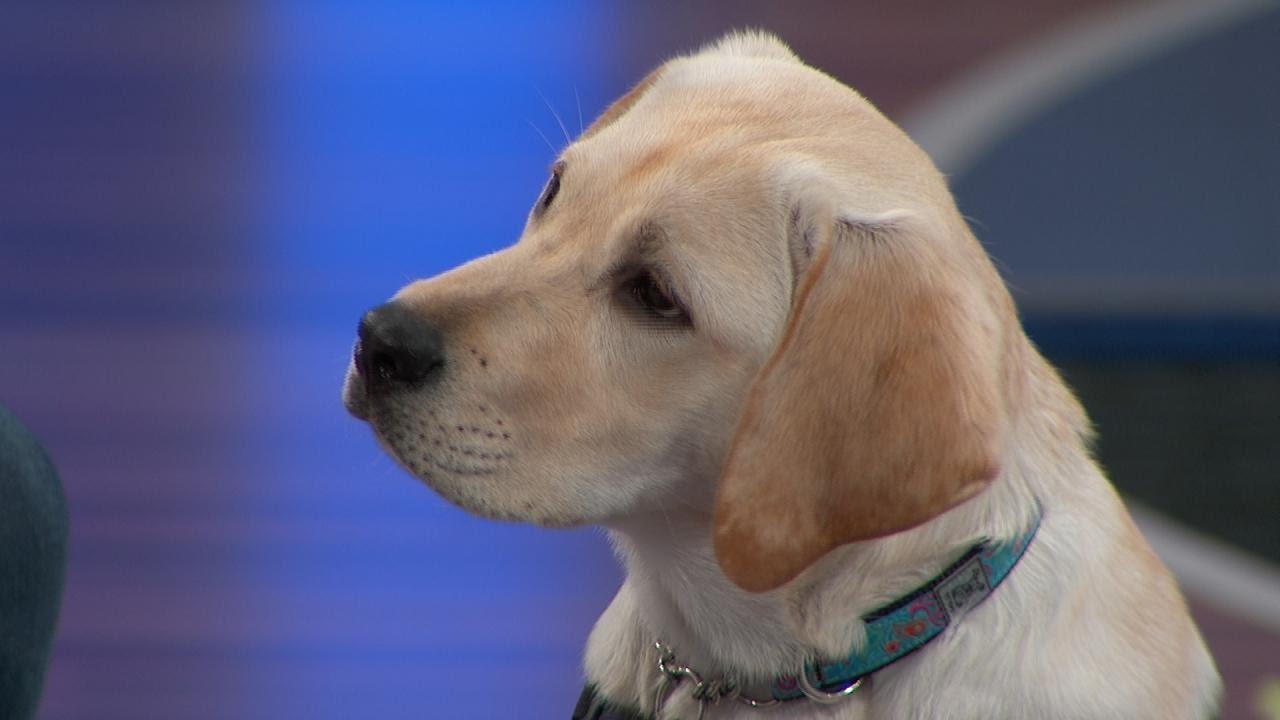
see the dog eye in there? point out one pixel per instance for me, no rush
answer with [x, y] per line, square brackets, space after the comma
[551, 189]
[651, 294]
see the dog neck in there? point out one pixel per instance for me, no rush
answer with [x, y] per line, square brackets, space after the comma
[685, 601]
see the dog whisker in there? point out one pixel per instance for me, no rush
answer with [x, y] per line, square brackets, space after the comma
[567, 140]
[541, 135]
[578, 101]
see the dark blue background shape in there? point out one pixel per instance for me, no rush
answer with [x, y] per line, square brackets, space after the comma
[1139, 217]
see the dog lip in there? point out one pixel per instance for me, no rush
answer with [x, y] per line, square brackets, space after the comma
[356, 408]
[354, 400]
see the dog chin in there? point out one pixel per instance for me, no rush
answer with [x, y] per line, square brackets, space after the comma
[507, 510]
[464, 493]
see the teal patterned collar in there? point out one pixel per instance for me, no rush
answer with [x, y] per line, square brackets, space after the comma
[892, 633]
[910, 622]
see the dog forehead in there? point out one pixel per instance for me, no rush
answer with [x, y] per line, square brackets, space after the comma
[695, 157]
[720, 123]
[677, 160]
[684, 119]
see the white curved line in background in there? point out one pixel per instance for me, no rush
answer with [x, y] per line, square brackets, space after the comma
[1212, 571]
[959, 123]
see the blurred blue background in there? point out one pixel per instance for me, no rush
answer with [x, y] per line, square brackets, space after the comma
[199, 199]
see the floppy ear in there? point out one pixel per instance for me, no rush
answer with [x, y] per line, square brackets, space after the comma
[879, 409]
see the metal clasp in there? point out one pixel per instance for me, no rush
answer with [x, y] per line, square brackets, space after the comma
[672, 674]
[706, 692]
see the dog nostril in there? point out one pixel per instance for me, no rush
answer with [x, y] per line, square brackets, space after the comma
[383, 365]
[396, 345]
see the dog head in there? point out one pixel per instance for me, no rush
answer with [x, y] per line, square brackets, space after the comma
[743, 293]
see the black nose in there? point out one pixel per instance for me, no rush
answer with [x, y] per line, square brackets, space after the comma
[397, 346]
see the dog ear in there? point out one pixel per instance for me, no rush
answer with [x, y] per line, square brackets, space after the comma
[879, 409]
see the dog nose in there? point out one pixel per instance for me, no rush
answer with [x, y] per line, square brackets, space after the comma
[397, 346]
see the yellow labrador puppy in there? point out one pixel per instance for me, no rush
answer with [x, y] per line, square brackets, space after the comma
[746, 330]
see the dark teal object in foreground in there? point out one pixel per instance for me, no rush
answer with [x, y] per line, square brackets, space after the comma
[33, 551]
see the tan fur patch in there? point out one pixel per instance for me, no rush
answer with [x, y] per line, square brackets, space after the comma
[880, 409]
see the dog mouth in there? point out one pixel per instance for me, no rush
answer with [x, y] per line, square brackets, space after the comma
[427, 447]
[450, 445]
[432, 442]
[355, 398]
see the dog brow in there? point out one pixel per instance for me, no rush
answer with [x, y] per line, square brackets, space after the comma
[646, 241]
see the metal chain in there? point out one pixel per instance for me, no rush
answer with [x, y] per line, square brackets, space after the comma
[706, 692]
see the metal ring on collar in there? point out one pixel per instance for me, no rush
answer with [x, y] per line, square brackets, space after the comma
[822, 696]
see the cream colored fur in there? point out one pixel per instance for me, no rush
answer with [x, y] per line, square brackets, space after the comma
[850, 405]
